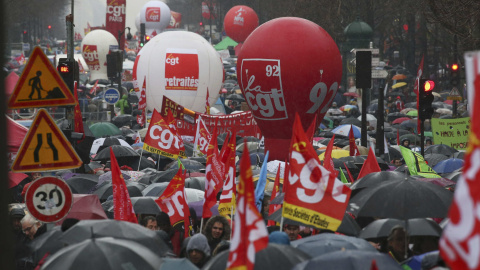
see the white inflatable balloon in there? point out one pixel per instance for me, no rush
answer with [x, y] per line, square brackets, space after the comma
[95, 47]
[137, 22]
[182, 66]
[155, 15]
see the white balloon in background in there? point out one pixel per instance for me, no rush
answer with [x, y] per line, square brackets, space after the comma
[155, 15]
[95, 47]
[182, 66]
[137, 22]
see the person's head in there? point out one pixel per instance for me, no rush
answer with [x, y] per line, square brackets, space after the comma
[396, 240]
[334, 105]
[397, 162]
[149, 222]
[406, 142]
[292, 231]
[198, 249]
[36, 175]
[217, 228]
[398, 98]
[16, 215]
[163, 222]
[30, 226]
[428, 142]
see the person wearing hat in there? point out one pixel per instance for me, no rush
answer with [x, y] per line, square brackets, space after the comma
[16, 215]
[399, 104]
[198, 250]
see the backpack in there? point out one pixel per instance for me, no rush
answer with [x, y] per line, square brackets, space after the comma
[128, 108]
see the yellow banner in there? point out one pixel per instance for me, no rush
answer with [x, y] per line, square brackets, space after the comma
[309, 217]
[154, 150]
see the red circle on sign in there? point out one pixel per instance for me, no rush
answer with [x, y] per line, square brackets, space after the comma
[36, 211]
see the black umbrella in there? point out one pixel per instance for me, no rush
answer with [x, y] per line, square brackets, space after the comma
[124, 120]
[393, 154]
[351, 260]
[275, 256]
[82, 184]
[319, 244]
[107, 142]
[48, 242]
[126, 131]
[97, 254]
[93, 165]
[454, 176]
[105, 189]
[395, 115]
[142, 205]
[120, 152]
[86, 229]
[441, 149]
[459, 155]
[351, 121]
[196, 183]
[164, 176]
[189, 165]
[381, 228]
[133, 163]
[434, 158]
[235, 97]
[155, 189]
[132, 98]
[188, 149]
[403, 200]
[375, 179]
[202, 160]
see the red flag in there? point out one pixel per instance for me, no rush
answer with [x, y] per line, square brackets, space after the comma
[137, 138]
[416, 88]
[227, 199]
[142, 101]
[351, 141]
[202, 138]
[140, 119]
[312, 191]
[374, 265]
[78, 119]
[122, 205]
[311, 130]
[172, 201]
[350, 177]
[460, 241]
[370, 165]
[93, 90]
[213, 175]
[272, 208]
[162, 139]
[249, 231]
[327, 160]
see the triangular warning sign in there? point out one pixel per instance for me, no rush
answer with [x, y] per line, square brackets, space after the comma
[40, 85]
[45, 148]
[454, 92]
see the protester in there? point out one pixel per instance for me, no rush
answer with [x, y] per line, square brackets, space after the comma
[123, 104]
[198, 250]
[163, 223]
[292, 231]
[149, 222]
[31, 227]
[399, 104]
[16, 215]
[223, 245]
[216, 230]
[397, 240]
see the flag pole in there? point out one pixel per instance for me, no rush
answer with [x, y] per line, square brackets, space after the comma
[140, 161]
[281, 224]
[201, 225]
[231, 220]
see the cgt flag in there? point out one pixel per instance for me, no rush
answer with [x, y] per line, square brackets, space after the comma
[202, 138]
[313, 195]
[227, 199]
[213, 176]
[460, 241]
[142, 101]
[351, 142]
[249, 231]
[161, 139]
[122, 205]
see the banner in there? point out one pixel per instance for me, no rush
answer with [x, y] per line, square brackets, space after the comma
[175, 19]
[116, 18]
[451, 132]
[161, 140]
[313, 196]
[202, 137]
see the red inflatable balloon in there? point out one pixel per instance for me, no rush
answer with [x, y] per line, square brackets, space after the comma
[287, 66]
[239, 22]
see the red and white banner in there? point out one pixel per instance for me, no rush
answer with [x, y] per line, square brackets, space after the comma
[214, 174]
[142, 101]
[173, 201]
[202, 138]
[351, 142]
[227, 199]
[122, 205]
[313, 195]
[175, 19]
[141, 119]
[276, 190]
[93, 90]
[460, 241]
[90, 54]
[116, 10]
[209, 10]
[163, 140]
[249, 231]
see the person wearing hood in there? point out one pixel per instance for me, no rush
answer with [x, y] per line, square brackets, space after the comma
[216, 230]
[198, 251]
[123, 104]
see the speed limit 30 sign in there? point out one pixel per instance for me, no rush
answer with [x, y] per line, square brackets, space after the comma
[49, 199]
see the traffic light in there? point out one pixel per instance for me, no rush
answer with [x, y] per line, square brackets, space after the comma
[49, 27]
[200, 23]
[455, 75]
[142, 34]
[147, 39]
[425, 109]
[25, 36]
[114, 64]
[69, 72]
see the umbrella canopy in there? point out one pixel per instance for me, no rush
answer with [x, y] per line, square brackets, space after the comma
[434, 158]
[15, 178]
[275, 256]
[401, 120]
[370, 117]
[454, 176]
[198, 208]
[412, 113]
[190, 165]
[375, 179]
[351, 121]
[399, 77]
[174, 263]
[252, 146]
[440, 149]
[392, 116]
[345, 129]
[449, 165]
[351, 94]
[102, 143]
[381, 228]
[336, 153]
[195, 183]
[351, 260]
[324, 243]
[97, 254]
[85, 206]
[120, 152]
[103, 129]
[443, 182]
[82, 183]
[235, 97]
[403, 200]
[47, 242]
[459, 154]
[398, 85]
[124, 120]
[95, 229]
[412, 124]
[142, 205]
[362, 149]
[105, 190]
[413, 138]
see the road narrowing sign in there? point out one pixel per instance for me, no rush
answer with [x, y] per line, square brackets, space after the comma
[45, 148]
[40, 85]
[49, 199]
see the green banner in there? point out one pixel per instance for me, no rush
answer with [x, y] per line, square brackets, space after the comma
[451, 132]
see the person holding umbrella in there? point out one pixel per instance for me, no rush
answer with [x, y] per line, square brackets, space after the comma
[397, 242]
